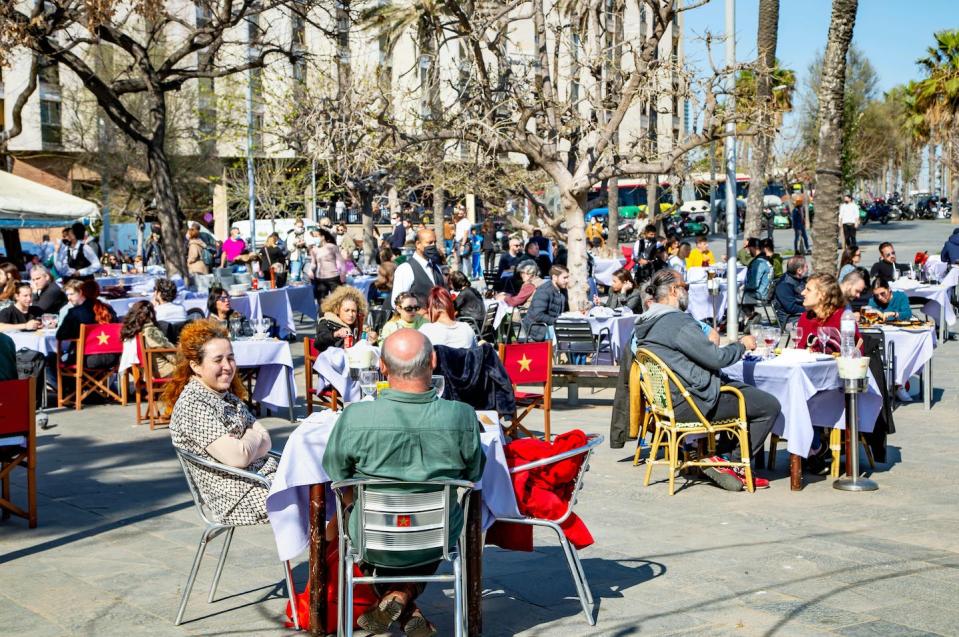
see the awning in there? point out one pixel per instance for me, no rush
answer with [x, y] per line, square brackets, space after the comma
[27, 204]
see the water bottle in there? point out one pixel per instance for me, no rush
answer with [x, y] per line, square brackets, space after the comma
[847, 329]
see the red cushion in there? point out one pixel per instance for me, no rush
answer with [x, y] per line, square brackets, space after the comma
[523, 395]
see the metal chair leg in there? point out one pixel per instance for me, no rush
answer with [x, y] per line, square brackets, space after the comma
[574, 573]
[291, 593]
[348, 602]
[220, 563]
[204, 539]
[582, 576]
[458, 594]
[342, 564]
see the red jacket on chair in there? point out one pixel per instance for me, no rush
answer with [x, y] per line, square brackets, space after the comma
[543, 492]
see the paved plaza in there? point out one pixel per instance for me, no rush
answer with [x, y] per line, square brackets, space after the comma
[118, 531]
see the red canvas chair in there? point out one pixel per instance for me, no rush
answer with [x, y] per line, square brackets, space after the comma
[18, 411]
[529, 364]
[326, 397]
[98, 338]
[150, 383]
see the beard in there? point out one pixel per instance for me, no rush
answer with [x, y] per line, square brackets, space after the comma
[683, 300]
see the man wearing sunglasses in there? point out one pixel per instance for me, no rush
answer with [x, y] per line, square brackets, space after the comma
[886, 267]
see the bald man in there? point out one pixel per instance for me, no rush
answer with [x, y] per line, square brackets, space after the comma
[411, 435]
[422, 272]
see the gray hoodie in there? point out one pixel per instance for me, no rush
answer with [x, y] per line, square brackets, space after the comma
[678, 339]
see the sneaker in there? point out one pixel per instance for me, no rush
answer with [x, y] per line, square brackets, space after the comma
[903, 396]
[379, 618]
[758, 483]
[724, 477]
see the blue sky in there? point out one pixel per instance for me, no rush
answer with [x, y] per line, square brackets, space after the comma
[892, 33]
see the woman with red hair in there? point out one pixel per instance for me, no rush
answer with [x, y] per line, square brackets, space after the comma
[208, 418]
[88, 309]
[443, 328]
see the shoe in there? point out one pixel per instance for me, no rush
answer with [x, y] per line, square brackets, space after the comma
[903, 396]
[758, 483]
[419, 626]
[379, 618]
[724, 477]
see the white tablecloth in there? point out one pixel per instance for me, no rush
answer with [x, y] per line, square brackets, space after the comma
[939, 295]
[603, 269]
[333, 369]
[698, 274]
[810, 394]
[502, 309]
[274, 385]
[620, 330]
[301, 299]
[701, 303]
[288, 502]
[913, 349]
[43, 341]
[276, 305]
[935, 267]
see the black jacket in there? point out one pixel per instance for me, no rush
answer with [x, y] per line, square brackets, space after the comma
[545, 307]
[788, 298]
[885, 270]
[469, 304]
[50, 300]
[80, 315]
[476, 376]
[325, 327]
[633, 300]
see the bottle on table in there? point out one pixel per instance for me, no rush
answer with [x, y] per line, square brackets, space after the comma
[847, 330]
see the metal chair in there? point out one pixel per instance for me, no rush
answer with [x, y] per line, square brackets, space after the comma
[393, 521]
[215, 527]
[572, 556]
[574, 337]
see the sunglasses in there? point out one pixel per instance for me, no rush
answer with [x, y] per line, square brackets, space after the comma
[223, 297]
[410, 308]
[889, 254]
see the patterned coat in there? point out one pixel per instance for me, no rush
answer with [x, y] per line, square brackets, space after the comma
[199, 417]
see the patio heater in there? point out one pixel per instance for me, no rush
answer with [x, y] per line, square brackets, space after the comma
[854, 375]
[712, 287]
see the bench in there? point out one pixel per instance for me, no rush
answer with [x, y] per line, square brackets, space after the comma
[574, 376]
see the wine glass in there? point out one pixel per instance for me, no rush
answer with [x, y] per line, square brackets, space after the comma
[368, 381]
[795, 336]
[439, 384]
[771, 339]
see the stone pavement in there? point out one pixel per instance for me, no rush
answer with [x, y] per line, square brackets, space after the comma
[118, 532]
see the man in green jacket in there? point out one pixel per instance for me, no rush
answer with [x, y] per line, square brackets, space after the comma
[406, 434]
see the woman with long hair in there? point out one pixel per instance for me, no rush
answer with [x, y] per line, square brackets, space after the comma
[623, 292]
[273, 258]
[851, 258]
[195, 251]
[208, 418]
[468, 302]
[88, 310]
[382, 287]
[220, 309]
[342, 320]
[443, 328]
[824, 303]
[9, 277]
[141, 319]
[329, 268]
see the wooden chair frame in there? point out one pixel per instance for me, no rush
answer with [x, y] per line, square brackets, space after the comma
[99, 379]
[672, 434]
[151, 385]
[332, 398]
[11, 392]
[544, 402]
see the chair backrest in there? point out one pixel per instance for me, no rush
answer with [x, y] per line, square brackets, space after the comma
[574, 335]
[17, 407]
[190, 462]
[528, 363]
[195, 314]
[392, 519]
[172, 329]
[655, 378]
[101, 338]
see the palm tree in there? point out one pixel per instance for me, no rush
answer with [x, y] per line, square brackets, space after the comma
[829, 151]
[766, 40]
[935, 101]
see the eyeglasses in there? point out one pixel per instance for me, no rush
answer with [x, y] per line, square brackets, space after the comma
[223, 297]
[410, 308]
[888, 254]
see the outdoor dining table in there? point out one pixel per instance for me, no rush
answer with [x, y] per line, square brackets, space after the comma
[502, 309]
[272, 359]
[620, 328]
[361, 282]
[913, 350]
[939, 306]
[43, 341]
[276, 305]
[299, 494]
[701, 302]
[809, 390]
[301, 299]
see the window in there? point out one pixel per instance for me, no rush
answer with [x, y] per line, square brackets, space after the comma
[50, 128]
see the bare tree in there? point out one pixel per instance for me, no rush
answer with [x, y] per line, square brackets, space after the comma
[829, 158]
[156, 50]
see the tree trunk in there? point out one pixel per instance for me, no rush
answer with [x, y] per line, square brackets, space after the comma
[952, 150]
[168, 208]
[652, 199]
[829, 154]
[369, 242]
[439, 203]
[574, 210]
[612, 196]
[766, 42]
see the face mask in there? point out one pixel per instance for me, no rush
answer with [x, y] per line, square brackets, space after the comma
[432, 254]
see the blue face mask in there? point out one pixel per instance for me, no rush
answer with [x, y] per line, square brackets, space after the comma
[432, 254]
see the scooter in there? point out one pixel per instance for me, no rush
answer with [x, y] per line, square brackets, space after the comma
[878, 210]
[693, 226]
[627, 232]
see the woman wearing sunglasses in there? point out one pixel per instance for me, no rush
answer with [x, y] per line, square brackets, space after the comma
[219, 308]
[405, 315]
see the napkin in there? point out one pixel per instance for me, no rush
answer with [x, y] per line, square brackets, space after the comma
[601, 311]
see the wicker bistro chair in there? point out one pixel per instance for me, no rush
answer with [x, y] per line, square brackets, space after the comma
[572, 556]
[656, 379]
[640, 414]
[393, 521]
[215, 527]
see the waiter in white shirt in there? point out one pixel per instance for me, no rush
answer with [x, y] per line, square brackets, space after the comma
[78, 261]
[849, 218]
[421, 273]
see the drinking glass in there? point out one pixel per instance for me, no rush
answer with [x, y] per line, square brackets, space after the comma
[439, 384]
[771, 339]
[795, 336]
[368, 382]
[756, 331]
[235, 327]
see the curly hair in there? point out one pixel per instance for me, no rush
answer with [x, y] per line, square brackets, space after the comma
[140, 315]
[166, 289]
[335, 299]
[832, 296]
[192, 349]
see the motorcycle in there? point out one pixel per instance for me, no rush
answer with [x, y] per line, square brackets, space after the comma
[878, 210]
[627, 232]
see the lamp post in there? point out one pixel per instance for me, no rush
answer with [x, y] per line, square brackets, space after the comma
[732, 283]
[251, 193]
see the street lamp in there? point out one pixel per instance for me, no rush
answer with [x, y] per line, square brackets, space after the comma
[732, 282]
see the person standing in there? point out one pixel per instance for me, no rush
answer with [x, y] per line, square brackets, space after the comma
[153, 253]
[849, 218]
[232, 247]
[329, 268]
[296, 246]
[800, 238]
[398, 237]
[78, 260]
[196, 253]
[462, 239]
[489, 246]
[421, 273]
[47, 251]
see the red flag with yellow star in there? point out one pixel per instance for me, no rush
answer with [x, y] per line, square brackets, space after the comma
[102, 338]
[528, 362]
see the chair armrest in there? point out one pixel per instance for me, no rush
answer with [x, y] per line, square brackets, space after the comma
[593, 440]
[273, 453]
[243, 474]
[729, 389]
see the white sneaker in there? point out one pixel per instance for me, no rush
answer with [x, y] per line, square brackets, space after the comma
[903, 396]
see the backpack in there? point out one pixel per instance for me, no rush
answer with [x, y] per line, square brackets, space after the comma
[206, 255]
[32, 363]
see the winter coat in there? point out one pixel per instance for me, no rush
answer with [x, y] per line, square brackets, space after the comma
[950, 251]
[547, 304]
[788, 298]
[477, 377]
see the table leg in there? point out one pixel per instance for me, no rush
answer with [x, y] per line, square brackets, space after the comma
[290, 395]
[851, 448]
[474, 565]
[943, 328]
[795, 472]
[927, 384]
[572, 394]
[318, 572]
